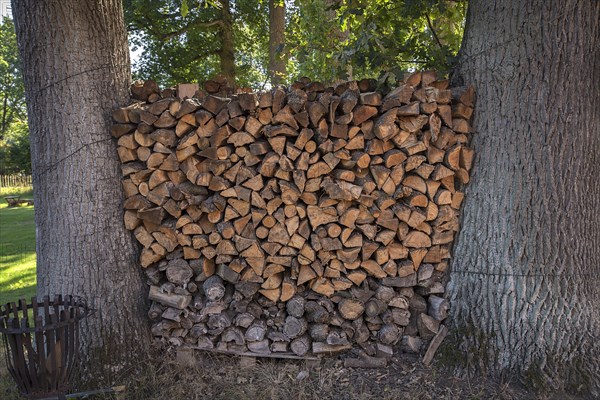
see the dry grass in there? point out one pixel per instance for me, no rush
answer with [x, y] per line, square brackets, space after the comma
[221, 377]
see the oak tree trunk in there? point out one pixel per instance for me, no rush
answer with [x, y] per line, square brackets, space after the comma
[76, 70]
[276, 41]
[524, 287]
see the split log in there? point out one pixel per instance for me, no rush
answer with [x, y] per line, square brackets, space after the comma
[179, 272]
[434, 345]
[389, 334]
[350, 309]
[169, 299]
[428, 326]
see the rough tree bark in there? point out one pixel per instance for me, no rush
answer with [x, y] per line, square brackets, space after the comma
[76, 70]
[524, 275]
[227, 52]
[277, 59]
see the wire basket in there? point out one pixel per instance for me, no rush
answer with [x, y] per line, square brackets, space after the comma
[41, 343]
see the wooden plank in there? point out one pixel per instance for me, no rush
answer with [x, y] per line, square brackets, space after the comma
[287, 356]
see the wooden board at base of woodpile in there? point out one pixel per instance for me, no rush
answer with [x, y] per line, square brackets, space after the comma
[297, 221]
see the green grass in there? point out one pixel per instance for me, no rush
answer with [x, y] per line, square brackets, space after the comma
[17, 248]
[17, 262]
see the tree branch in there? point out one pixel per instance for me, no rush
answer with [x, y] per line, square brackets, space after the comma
[147, 24]
[435, 36]
[196, 23]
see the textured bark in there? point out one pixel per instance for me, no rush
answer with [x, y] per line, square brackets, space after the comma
[524, 275]
[227, 53]
[76, 70]
[277, 59]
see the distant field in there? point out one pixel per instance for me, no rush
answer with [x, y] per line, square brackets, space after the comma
[17, 248]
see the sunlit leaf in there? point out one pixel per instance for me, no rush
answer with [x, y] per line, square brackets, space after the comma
[184, 8]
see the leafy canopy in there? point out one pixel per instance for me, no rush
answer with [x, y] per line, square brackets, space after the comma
[180, 41]
[366, 38]
[325, 39]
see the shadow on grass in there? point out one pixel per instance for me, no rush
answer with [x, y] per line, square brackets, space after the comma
[17, 276]
[13, 296]
[13, 254]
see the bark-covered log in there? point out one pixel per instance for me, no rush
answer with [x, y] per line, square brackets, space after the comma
[214, 289]
[294, 327]
[169, 299]
[295, 306]
[438, 307]
[301, 345]
[179, 272]
[256, 331]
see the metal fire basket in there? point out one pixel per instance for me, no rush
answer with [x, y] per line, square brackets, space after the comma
[41, 343]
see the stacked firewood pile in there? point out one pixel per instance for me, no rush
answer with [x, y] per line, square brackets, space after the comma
[218, 86]
[300, 220]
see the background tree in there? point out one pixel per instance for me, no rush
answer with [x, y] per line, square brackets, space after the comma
[182, 40]
[191, 41]
[277, 52]
[15, 157]
[524, 288]
[76, 70]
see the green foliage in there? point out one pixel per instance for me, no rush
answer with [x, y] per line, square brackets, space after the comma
[366, 38]
[14, 149]
[180, 40]
[326, 39]
[314, 37]
[185, 8]
[12, 91]
[14, 133]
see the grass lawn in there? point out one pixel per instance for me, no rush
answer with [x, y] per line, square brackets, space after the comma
[17, 248]
[17, 263]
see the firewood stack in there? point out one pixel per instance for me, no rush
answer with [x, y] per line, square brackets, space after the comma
[218, 86]
[298, 221]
